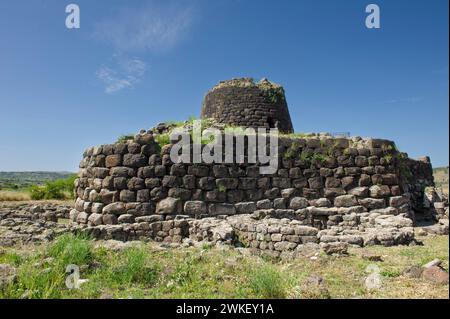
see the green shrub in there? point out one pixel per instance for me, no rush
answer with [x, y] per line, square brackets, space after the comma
[57, 189]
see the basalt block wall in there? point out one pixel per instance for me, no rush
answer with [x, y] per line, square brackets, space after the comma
[318, 182]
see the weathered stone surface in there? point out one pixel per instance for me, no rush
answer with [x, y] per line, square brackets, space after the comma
[360, 192]
[372, 203]
[121, 171]
[264, 204]
[198, 171]
[127, 196]
[195, 207]
[398, 201]
[135, 160]
[435, 275]
[298, 203]
[109, 219]
[125, 219]
[379, 191]
[114, 208]
[345, 201]
[245, 207]
[305, 230]
[95, 219]
[222, 209]
[169, 205]
[113, 160]
[227, 183]
[413, 272]
[332, 248]
[82, 218]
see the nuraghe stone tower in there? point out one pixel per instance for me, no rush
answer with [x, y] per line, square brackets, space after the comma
[327, 192]
[242, 102]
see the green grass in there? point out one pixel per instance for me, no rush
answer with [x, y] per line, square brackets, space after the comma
[145, 271]
[71, 249]
[134, 269]
[162, 139]
[267, 282]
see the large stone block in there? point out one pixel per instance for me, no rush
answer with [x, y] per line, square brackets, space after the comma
[198, 170]
[121, 171]
[116, 208]
[345, 201]
[113, 160]
[298, 203]
[135, 160]
[227, 183]
[195, 207]
[245, 207]
[379, 191]
[169, 205]
[360, 192]
[222, 209]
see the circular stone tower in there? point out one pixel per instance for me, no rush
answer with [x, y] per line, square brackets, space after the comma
[242, 102]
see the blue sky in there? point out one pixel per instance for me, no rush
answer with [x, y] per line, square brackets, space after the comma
[133, 64]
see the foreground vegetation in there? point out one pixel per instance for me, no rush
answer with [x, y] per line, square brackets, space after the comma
[150, 271]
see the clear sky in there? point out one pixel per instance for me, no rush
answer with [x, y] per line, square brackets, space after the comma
[133, 64]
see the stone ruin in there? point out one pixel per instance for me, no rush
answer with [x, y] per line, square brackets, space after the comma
[328, 192]
[242, 102]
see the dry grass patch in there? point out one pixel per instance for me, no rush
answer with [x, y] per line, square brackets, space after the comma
[8, 196]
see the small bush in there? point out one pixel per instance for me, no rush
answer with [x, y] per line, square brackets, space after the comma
[267, 282]
[57, 189]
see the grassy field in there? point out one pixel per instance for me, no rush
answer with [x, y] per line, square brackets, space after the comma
[149, 271]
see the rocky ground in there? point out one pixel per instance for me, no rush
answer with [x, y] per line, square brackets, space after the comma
[36, 222]
[32, 228]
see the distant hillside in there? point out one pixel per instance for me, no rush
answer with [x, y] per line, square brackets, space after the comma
[18, 180]
[441, 178]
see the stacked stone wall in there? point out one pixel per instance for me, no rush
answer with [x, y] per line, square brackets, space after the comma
[326, 184]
